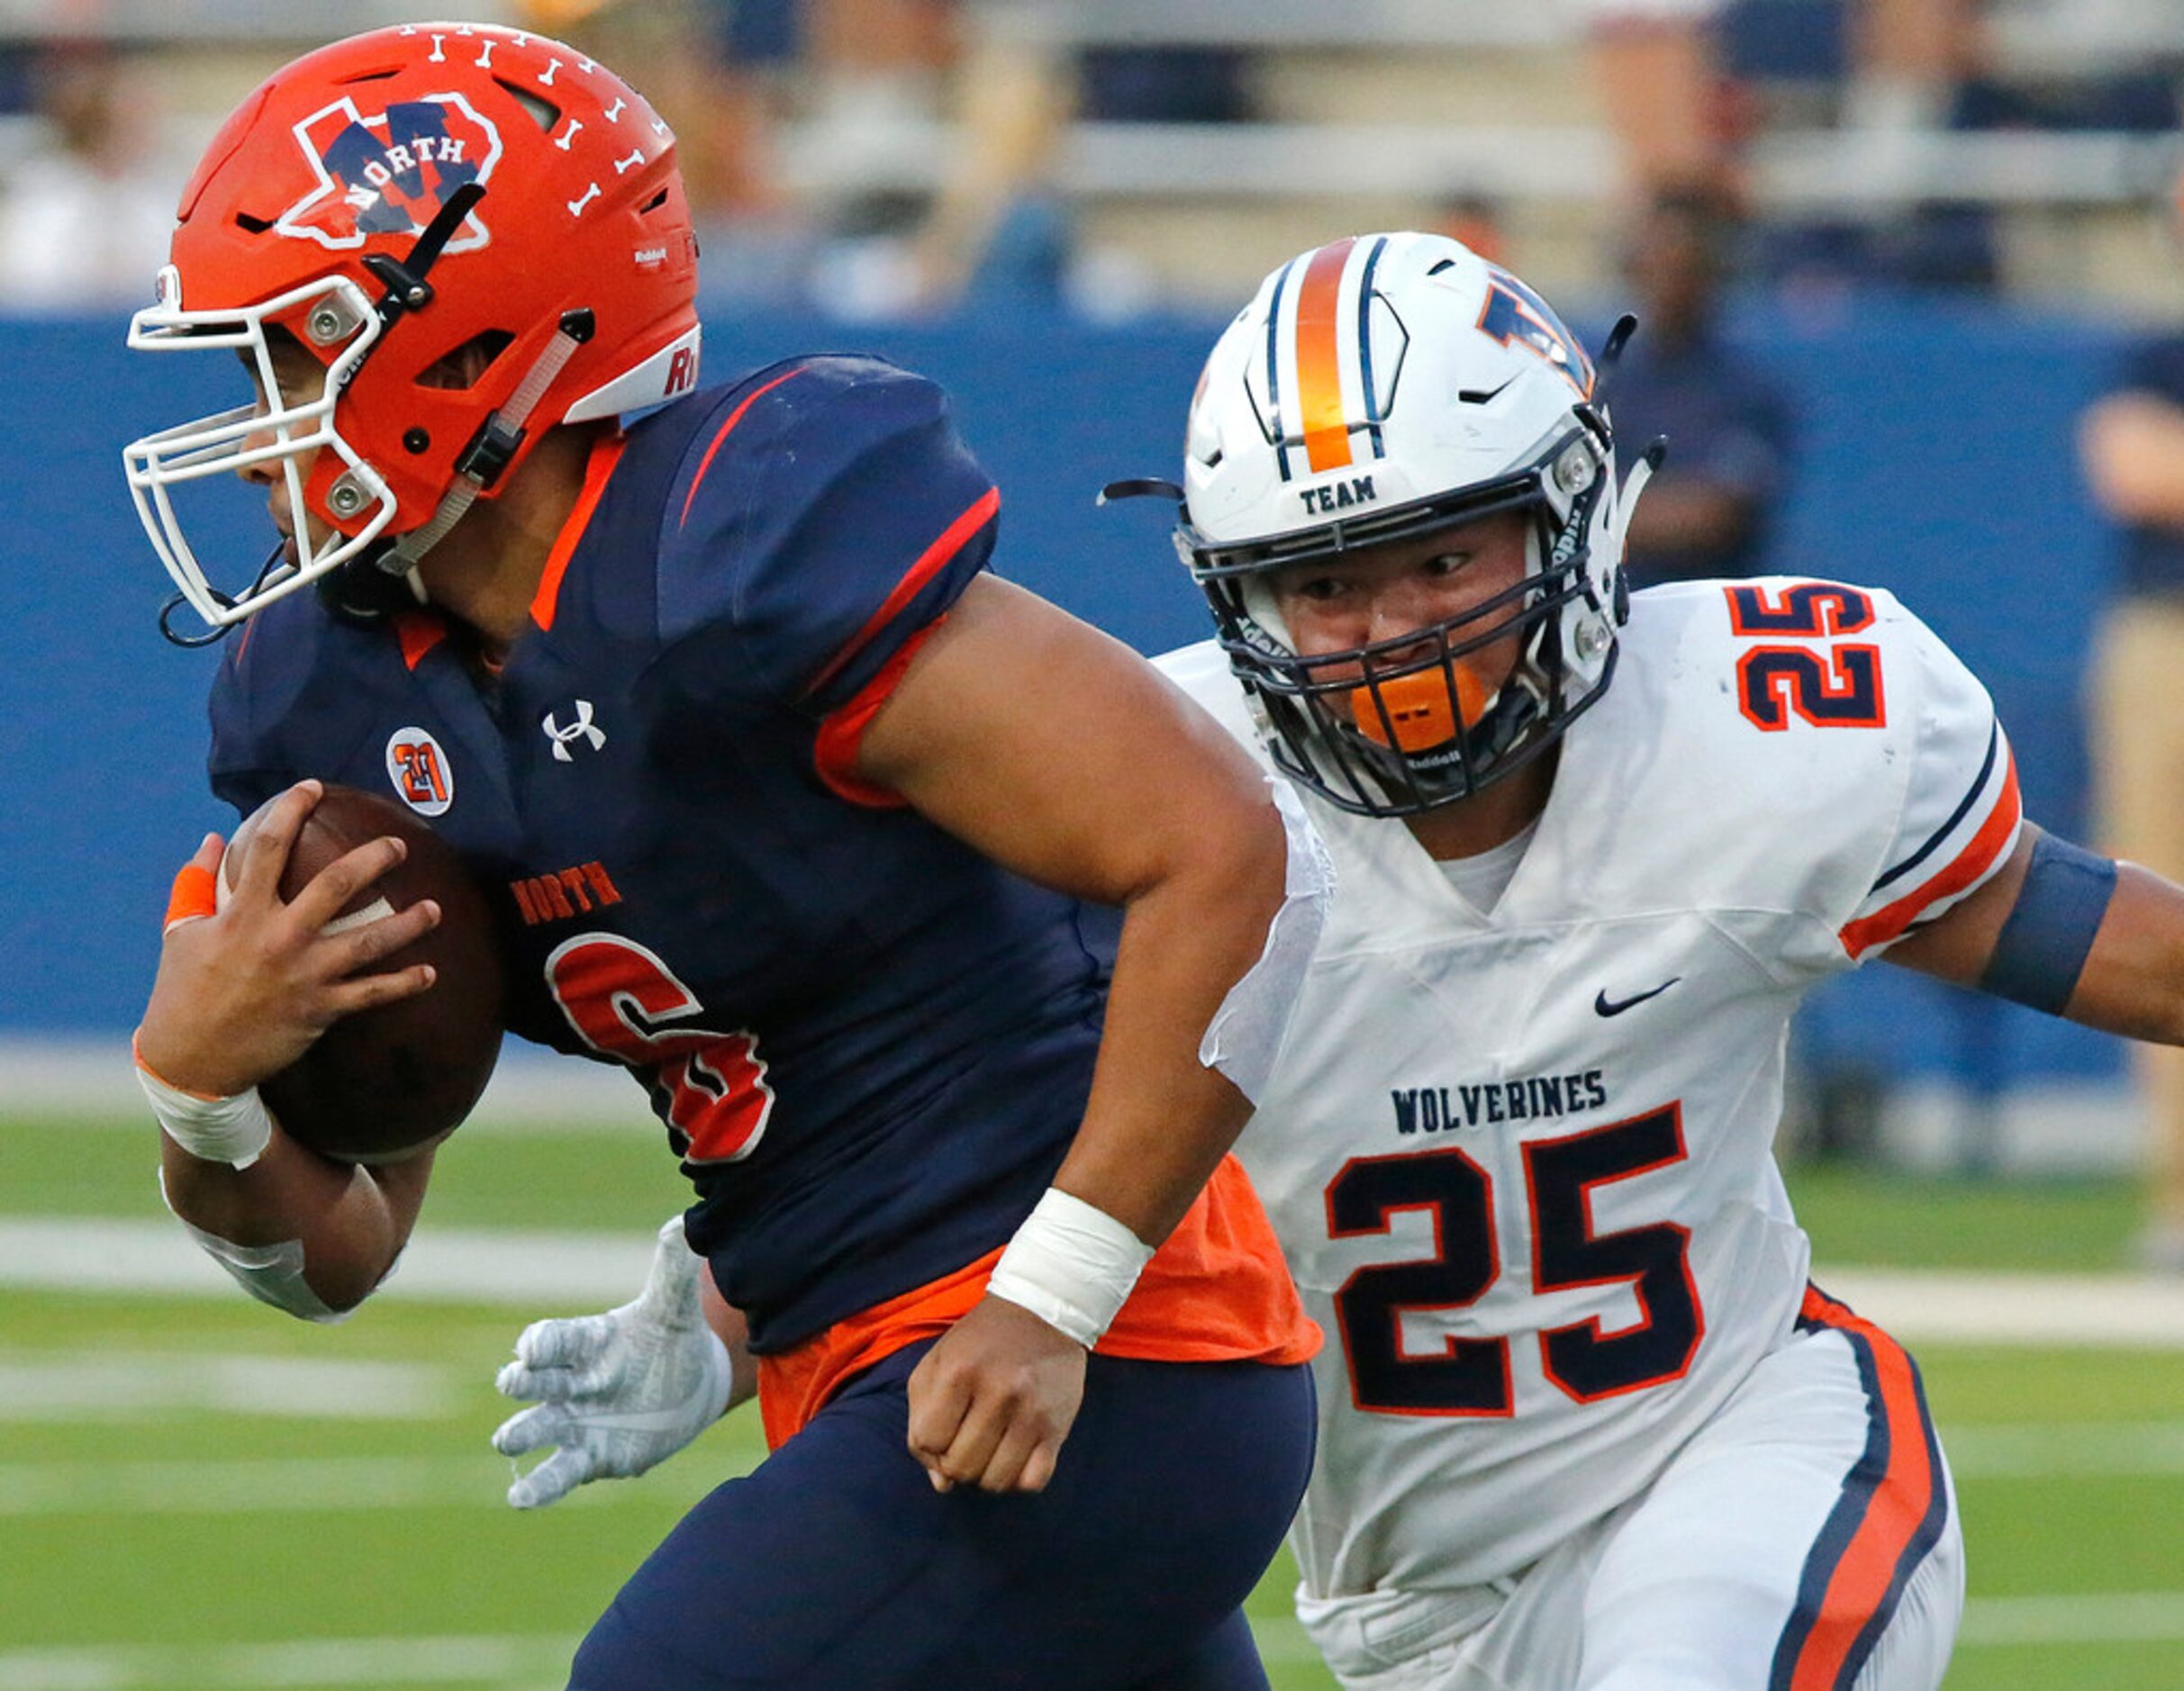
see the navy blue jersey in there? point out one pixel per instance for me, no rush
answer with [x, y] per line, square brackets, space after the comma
[870, 1044]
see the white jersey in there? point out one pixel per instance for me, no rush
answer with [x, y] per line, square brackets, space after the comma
[1521, 1159]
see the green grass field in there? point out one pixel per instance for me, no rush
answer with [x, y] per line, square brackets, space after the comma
[197, 1493]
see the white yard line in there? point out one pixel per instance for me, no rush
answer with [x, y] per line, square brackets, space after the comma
[1999, 1306]
[546, 1273]
[111, 1386]
[2079, 1450]
[92, 1078]
[2093, 1618]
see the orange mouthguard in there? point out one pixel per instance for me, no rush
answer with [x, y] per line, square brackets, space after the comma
[1420, 706]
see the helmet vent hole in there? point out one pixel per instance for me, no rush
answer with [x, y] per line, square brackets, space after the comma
[1445, 264]
[464, 368]
[255, 225]
[654, 204]
[545, 114]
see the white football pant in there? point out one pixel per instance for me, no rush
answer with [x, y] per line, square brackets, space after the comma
[1806, 1539]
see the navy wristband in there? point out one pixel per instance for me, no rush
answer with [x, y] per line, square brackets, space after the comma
[2044, 944]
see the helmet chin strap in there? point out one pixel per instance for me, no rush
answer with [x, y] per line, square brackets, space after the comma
[488, 454]
[494, 444]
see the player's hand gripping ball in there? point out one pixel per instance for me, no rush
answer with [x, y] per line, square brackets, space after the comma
[387, 1082]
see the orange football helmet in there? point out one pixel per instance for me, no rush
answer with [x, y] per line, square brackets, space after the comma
[479, 233]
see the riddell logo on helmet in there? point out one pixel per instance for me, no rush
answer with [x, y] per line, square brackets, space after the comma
[388, 173]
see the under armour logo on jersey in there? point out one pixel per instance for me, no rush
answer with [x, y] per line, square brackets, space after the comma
[582, 728]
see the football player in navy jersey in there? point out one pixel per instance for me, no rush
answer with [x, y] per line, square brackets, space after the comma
[786, 803]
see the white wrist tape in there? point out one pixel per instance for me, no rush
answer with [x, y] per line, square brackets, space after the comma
[235, 1130]
[271, 1273]
[1070, 1265]
[1244, 1037]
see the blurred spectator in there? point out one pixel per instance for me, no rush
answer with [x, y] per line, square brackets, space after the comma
[85, 216]
[1000, 231]
[1654, 65]
[709, 72]
[997, 225]
[864, 78]
[1478, 222]
[872, 78]
[2132, 443]
[1708, 511]
[1910, 58]
[1167, 83]
[1888, 74]
[1672, 73]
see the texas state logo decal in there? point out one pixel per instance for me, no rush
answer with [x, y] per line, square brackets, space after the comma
[419, 770]
[389, 172]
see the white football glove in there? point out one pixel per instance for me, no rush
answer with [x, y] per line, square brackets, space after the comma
[616, 1392]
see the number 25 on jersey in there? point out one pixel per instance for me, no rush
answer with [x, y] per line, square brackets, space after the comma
[1471, 1376]
[1835, 685]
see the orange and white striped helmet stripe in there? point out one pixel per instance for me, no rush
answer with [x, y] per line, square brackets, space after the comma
[1319, 374]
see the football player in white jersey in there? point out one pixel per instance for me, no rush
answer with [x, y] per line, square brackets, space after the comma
[1584, 1423]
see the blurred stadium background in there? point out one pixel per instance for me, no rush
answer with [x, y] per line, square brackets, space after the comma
[1942, 225]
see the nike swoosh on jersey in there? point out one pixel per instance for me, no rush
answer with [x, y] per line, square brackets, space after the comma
[1603, 1006]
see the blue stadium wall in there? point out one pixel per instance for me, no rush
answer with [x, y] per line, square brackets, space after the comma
[1935, 458]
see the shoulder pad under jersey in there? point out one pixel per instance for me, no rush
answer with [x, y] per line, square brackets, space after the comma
[1835, 759]
[826, 512]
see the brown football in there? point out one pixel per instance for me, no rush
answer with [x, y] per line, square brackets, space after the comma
[387, 1082]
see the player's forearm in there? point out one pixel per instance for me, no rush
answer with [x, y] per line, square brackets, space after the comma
[351, 1222]
[2133, 982]
[1056, 753]
[1158, 1121]
[2070, 932]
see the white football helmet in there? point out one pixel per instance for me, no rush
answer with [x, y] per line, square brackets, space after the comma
[1380, 388]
